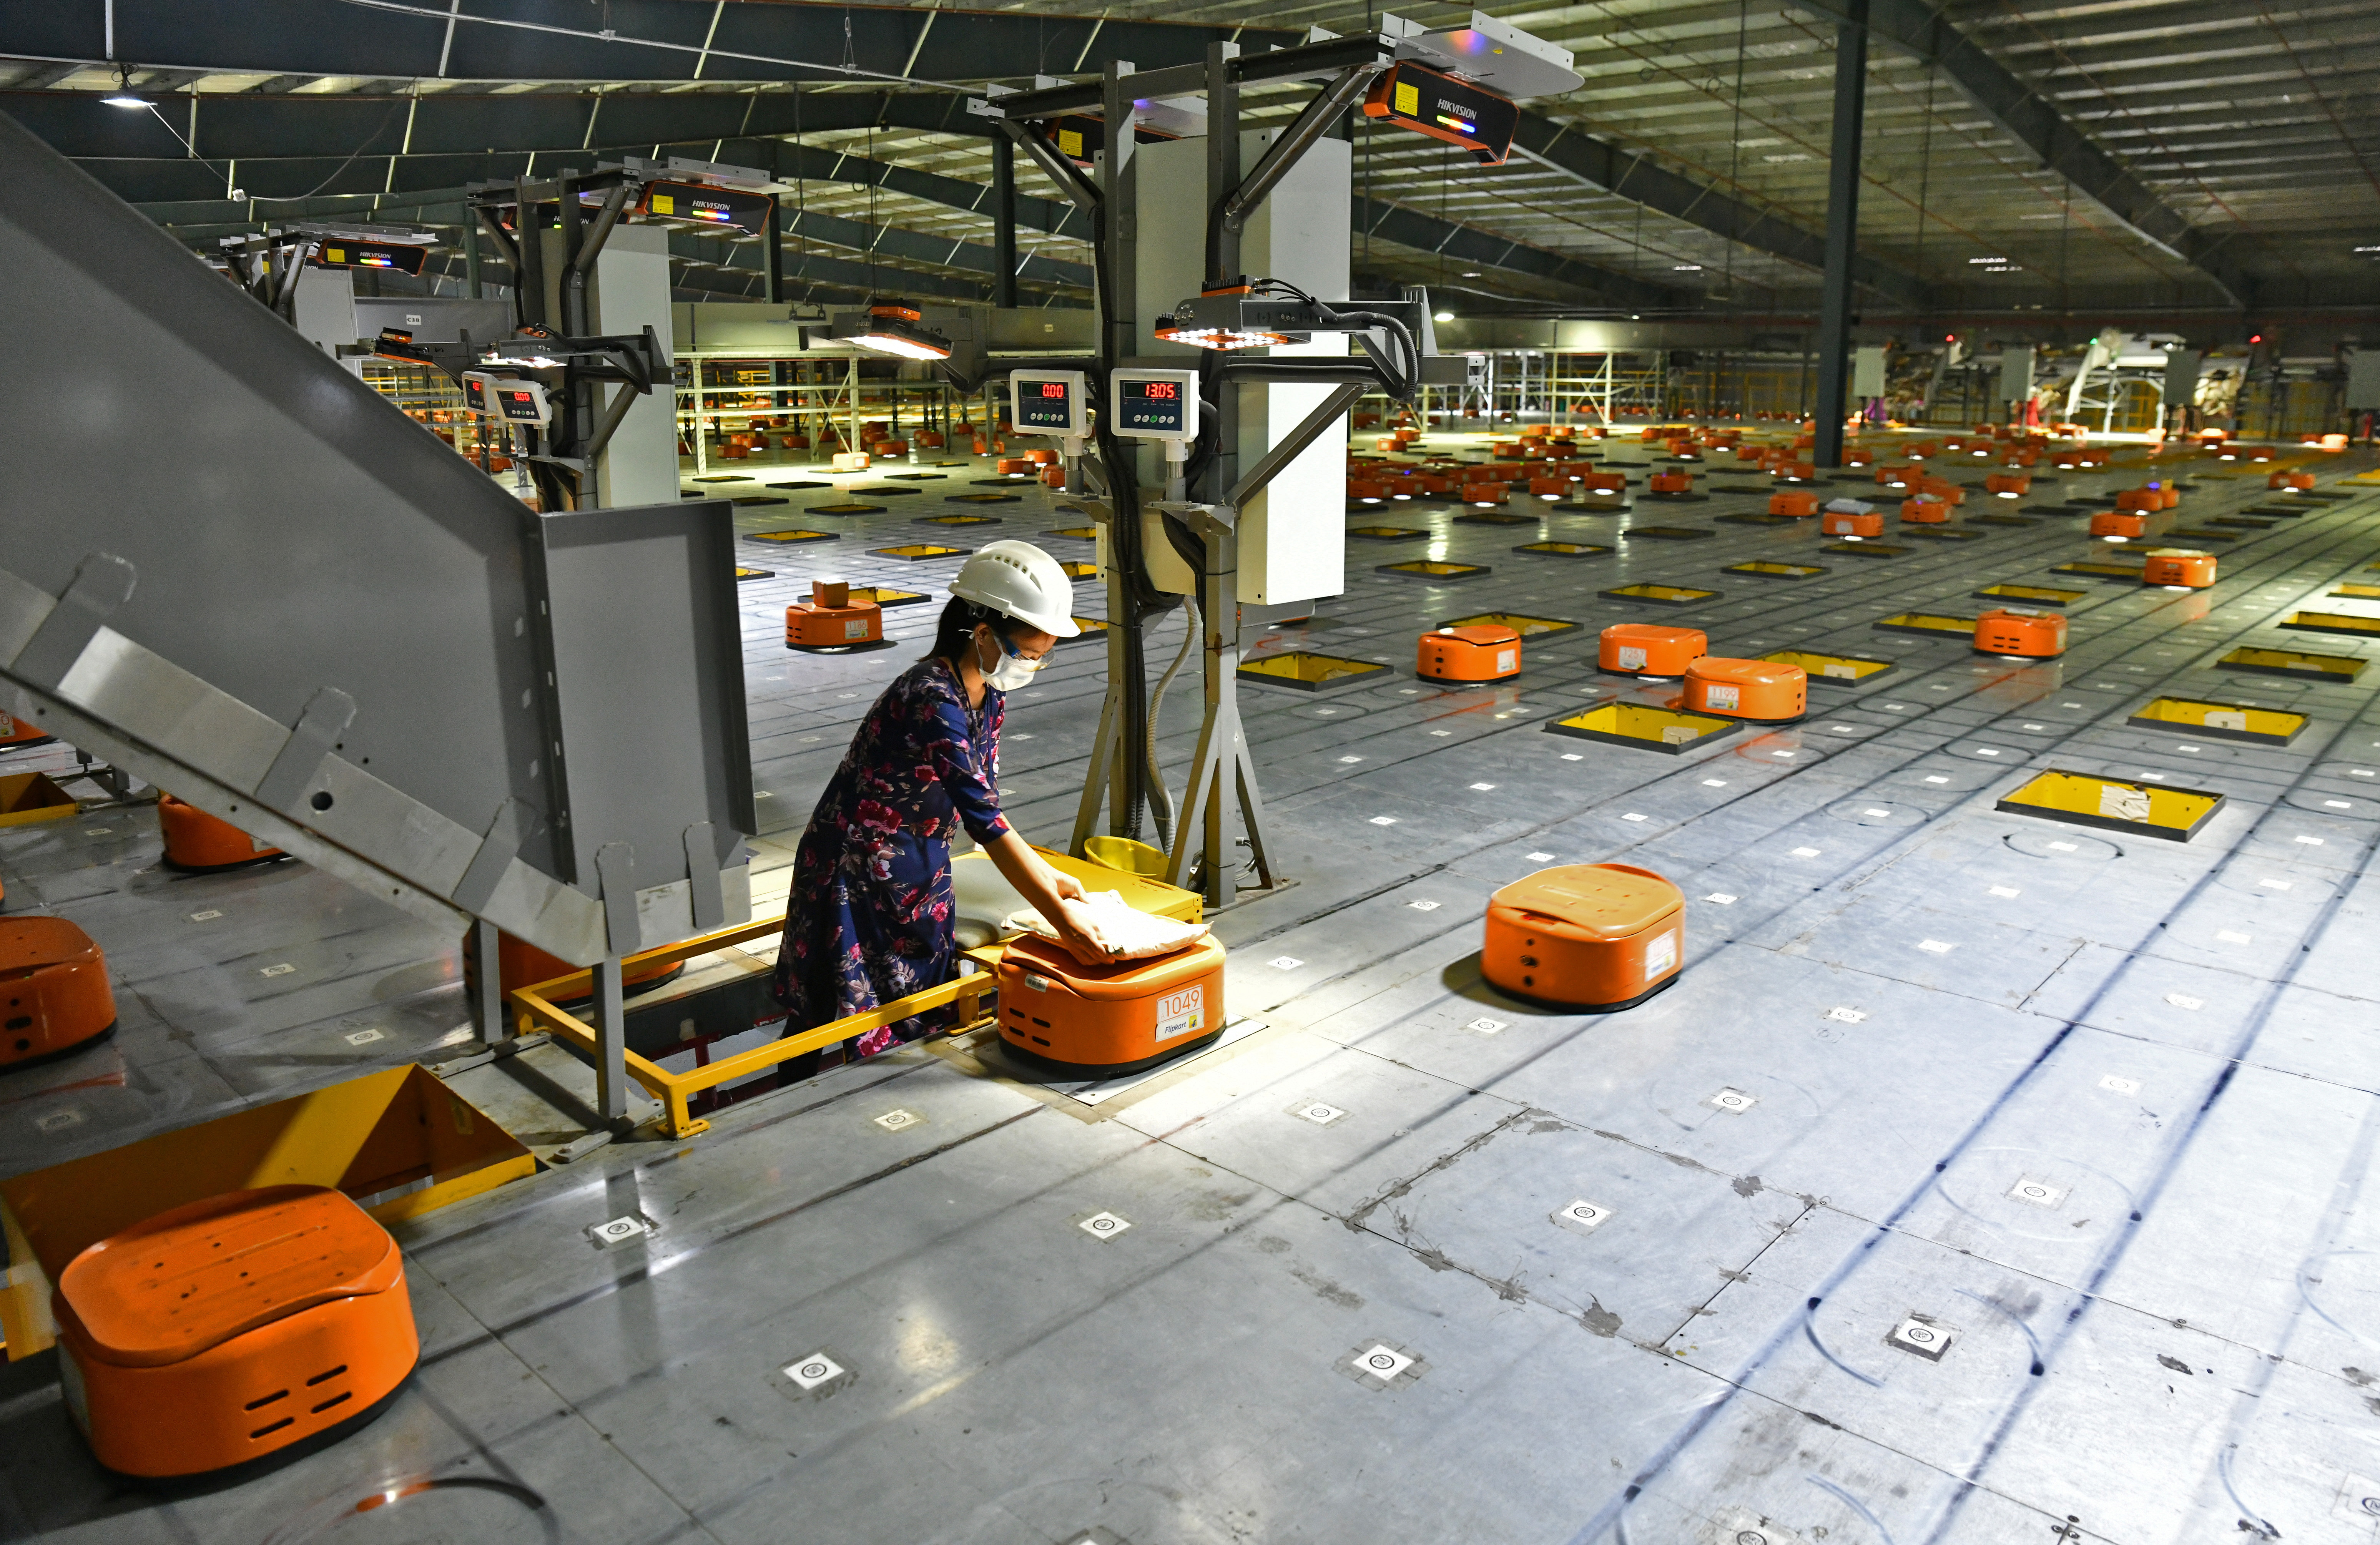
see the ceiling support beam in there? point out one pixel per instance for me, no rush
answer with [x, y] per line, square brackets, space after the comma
[1425, 233]
[1639, 179]
[1916, 28]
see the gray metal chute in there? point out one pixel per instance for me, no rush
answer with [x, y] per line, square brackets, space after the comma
[231, 567]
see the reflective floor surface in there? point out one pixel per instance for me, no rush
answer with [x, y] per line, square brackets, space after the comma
[1983, 1178]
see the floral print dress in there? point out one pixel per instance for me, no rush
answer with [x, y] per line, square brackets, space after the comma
[870, 917]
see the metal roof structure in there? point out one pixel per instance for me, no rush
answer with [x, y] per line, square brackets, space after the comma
[2134, 157]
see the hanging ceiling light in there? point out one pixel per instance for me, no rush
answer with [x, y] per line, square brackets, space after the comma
[122, 96]
[897, 327]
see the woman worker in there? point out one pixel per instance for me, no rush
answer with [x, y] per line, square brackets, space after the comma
[870, 917]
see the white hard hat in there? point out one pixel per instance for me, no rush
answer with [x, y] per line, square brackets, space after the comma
[1018, 579]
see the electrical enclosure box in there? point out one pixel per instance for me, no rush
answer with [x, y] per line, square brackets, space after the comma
[1867, 372]
[1292, 535]
[2016, 373]
[1154, 405]
[2363, 378]
[1049, 402]
[628, 290]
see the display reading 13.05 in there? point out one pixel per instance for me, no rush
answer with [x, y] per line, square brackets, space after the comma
[1156, 405]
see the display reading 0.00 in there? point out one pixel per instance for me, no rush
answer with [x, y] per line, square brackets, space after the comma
[1048, 405]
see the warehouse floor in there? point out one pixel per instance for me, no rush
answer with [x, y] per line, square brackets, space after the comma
[2094, 1109]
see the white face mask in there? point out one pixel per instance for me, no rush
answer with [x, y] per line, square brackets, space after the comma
[1012, 671]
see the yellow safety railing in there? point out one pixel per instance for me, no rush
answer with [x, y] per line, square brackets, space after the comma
[535, 1010]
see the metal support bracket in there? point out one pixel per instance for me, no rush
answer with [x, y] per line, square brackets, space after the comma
[101, 583]
[710, 902]
[1222, 774]
[505, 833]
[615, 872]
[328, 713]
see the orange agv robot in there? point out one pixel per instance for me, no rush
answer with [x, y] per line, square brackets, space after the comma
[196, 841]
[1468, 656]
[1761, 691]
[2185, 567]
[231, 1328]
[1594, 938]
[832, 620]
[1099, 1021]
[2014, 630]
[54, 992]
[16, 734]
[1649, 649]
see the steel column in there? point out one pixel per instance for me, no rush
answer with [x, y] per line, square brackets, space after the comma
[772, 257]
[1842, 232]
[611, 1040]
[1118, 339]
[1004, 220]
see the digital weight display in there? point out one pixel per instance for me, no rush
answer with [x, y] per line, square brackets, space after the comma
[509, 398]
[1155, 405]
[1046, 405]
[1055, 402]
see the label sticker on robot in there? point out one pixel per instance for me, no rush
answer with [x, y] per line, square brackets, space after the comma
[856, 628]
[1507, 659]
[1631, 657]
[1660, 955]
[1722, 697]
[2124, 804]
[1039, 984]
[1182, 1012]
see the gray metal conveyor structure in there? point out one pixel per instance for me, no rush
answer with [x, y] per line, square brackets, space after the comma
[230, 568]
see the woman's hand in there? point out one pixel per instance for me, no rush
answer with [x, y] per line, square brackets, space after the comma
[1067, 887]
[1079, 933]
